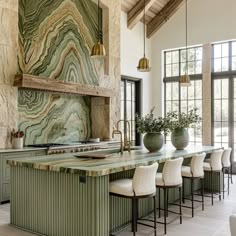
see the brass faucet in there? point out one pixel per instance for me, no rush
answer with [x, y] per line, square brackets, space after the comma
[121, 139]
[127, 137]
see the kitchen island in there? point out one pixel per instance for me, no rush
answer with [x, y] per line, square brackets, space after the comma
[68, 194]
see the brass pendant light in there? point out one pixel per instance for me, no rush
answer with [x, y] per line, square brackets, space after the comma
[98, 50]
[143, 65]
[185, 79]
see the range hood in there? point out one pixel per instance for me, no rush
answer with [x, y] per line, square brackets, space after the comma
[46, 84]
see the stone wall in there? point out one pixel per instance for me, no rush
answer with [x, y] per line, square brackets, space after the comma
[8, 68]
[36, 58]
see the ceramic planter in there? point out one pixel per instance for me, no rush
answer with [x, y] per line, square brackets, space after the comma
[153, 142]
[180, 138]
[17, 143]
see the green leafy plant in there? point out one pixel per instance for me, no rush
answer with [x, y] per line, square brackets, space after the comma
[150, 124]
[176, 120]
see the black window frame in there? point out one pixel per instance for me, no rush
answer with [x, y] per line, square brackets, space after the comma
[175, 79]
[138, 87]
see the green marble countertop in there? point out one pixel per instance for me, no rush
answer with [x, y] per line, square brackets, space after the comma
[71, 163]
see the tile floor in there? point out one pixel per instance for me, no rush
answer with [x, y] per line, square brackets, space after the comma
[211, 222]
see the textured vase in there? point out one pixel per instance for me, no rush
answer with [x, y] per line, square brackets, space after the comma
[17, 143]
[180, 138]
[153, 142]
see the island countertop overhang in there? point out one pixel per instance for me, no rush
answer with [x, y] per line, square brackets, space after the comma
[69, 163]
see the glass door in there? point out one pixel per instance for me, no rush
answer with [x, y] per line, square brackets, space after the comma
[224, 114]
[130, 105]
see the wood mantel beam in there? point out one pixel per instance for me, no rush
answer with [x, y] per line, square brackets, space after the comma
[136, 13]
[160, 19]
[47, 84]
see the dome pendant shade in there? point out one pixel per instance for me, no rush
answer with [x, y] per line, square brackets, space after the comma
[98, 51]
[185, 80]
[143, 65]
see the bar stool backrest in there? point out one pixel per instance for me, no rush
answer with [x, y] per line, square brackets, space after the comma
[215, 160]
[197, 165]
[171, 173]
[144, 180]
[226, 157]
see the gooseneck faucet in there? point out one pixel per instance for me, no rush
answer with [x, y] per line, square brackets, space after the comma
[121, 139]
[127, 137]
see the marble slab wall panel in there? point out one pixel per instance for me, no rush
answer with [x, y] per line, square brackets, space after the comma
[8, 68]
[49, 117]
[55, 41]
[56, 37]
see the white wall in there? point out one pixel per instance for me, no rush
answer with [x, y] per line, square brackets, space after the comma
[131, 52]
[208, 21]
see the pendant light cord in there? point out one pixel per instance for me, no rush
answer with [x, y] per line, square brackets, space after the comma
[98, 23]
[144, 32]
[186, 36]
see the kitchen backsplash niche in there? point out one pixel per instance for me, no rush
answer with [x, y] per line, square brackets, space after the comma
[55, 40]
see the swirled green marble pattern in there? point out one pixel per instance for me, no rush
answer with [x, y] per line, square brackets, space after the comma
[56, 37]
[47, 117]
[55, 41]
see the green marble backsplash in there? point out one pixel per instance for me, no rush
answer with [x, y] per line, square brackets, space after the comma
[47, 117]
[55, 41]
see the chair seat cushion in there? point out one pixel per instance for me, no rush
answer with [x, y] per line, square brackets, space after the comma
[159, 180]
[122, 187]
[207, 166]
[186, 171]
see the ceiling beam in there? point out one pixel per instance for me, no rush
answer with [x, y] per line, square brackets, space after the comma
[136, 13]
[161, 18]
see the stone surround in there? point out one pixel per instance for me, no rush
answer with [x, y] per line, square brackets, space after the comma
[8, 68]
[108, 75]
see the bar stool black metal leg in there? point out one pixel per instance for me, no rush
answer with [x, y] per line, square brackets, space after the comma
[202, 187]
[183, 193]
[159, 202]
[165, 210]
[155, 216]
[136, 216]
[223, 170]
[133, 216]
[212, 200]
[219, 187]
[180, 205]
[228, 181]
[192, 193]
[231, 172]
[167, 202]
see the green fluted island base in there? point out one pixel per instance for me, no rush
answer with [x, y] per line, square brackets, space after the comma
[59, 204]
[63, 204]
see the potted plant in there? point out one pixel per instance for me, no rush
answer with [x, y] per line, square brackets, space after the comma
[17, 139]
[178, 124]
[152, 128]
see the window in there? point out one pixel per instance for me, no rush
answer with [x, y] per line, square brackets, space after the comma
[224, 94]
[177, 98]
[130, 105]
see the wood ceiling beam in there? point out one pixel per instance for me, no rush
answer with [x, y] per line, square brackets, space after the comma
[161, 18]
[136, 13]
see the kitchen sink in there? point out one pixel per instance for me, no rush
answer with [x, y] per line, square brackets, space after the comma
[101, 154]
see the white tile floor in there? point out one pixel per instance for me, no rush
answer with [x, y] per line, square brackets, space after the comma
[211, 222]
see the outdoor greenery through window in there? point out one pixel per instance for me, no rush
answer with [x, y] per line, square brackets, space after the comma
[224, 94]
[183, 99]
[130, 105]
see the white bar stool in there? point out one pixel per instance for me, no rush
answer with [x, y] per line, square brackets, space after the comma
[214, 166]
[193, 172]
[170, 178]
[226, 165]
[141, 186]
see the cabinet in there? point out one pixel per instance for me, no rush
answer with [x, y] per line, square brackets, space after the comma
[5, 170]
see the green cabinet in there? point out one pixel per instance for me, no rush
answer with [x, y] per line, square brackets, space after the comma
[5, 170]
